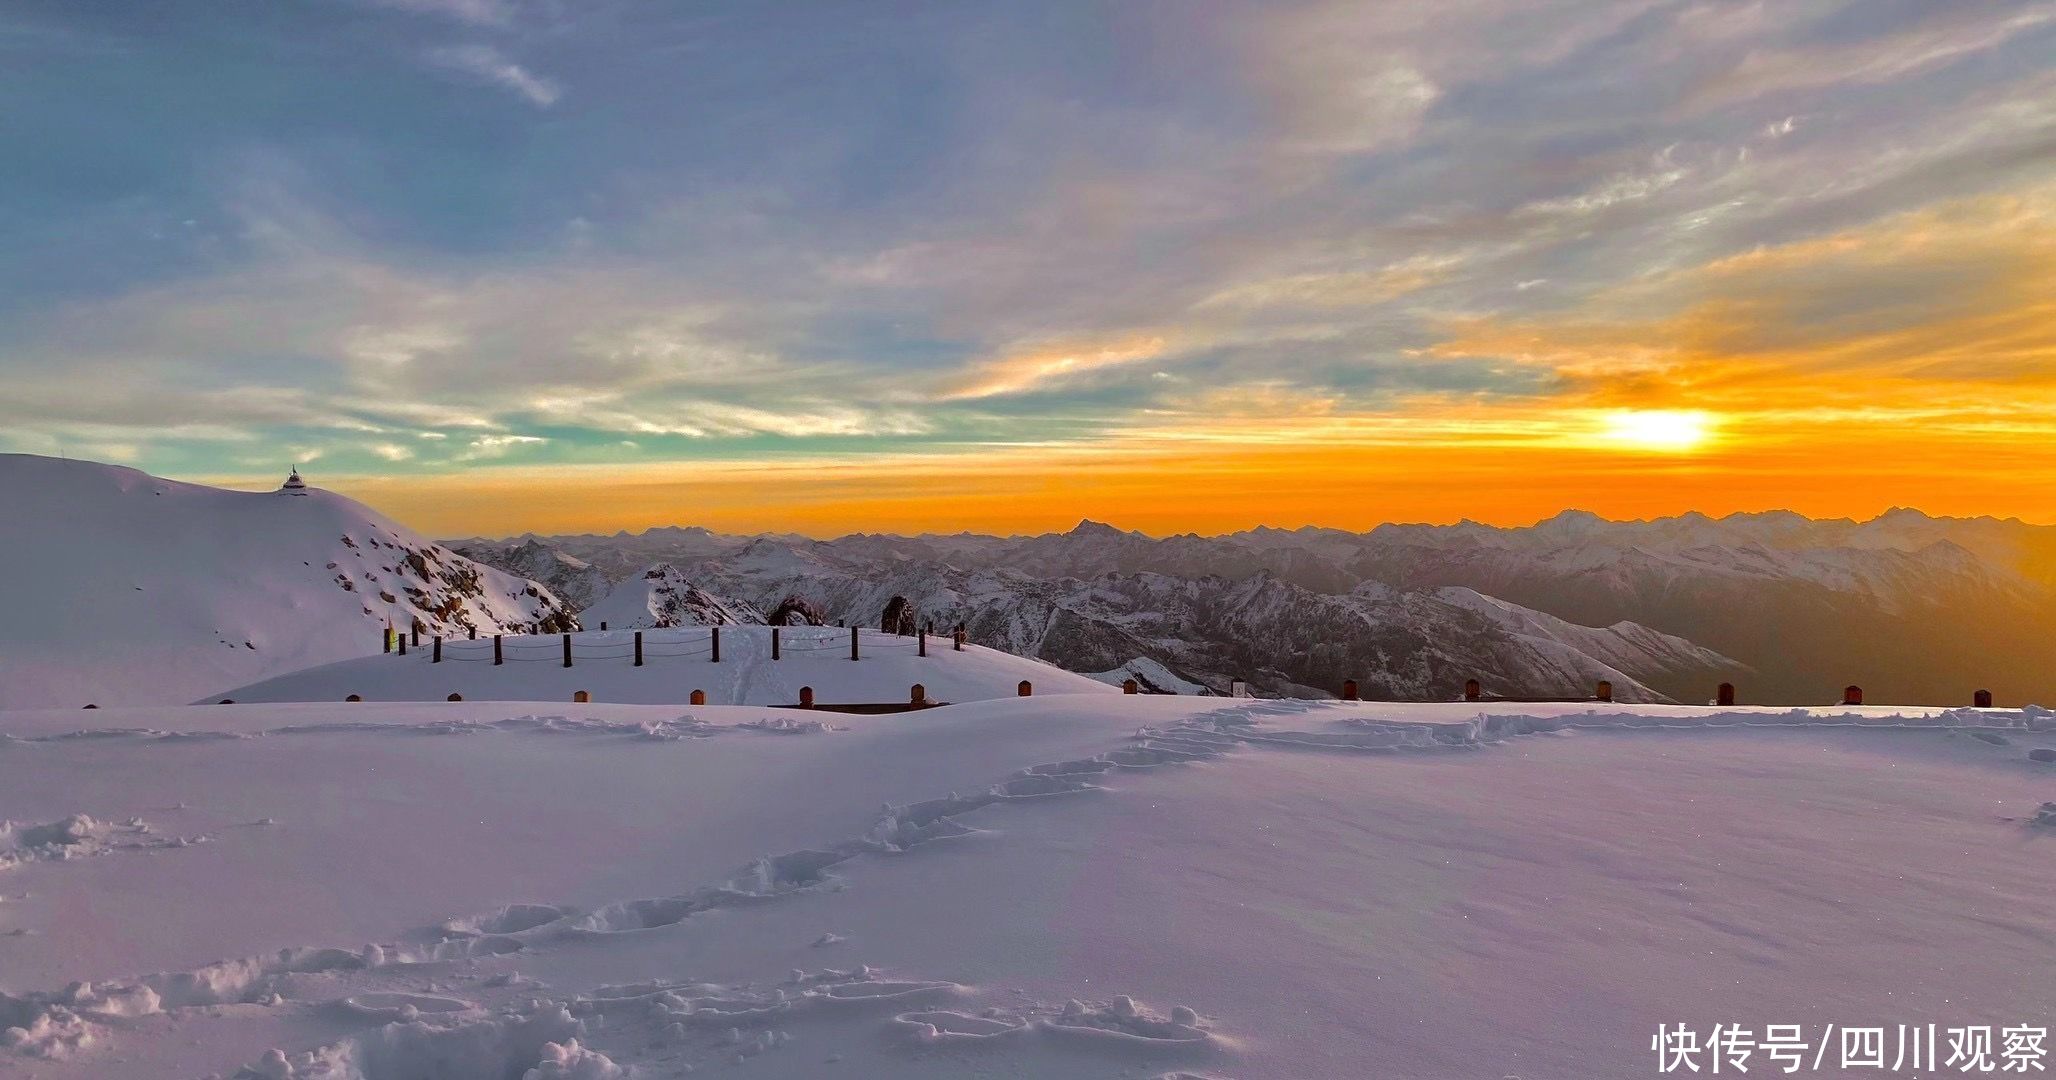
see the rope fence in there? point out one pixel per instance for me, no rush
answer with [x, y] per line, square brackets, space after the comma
[641, 646]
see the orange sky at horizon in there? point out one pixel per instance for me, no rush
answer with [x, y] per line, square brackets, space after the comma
[1225, 488]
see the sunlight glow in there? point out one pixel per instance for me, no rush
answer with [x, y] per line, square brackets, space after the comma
[1668, 431]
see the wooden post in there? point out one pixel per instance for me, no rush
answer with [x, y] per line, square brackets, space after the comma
[1852, 695]
[603, 624]
[1981, 700]
[699, 697]
[403, 645]
[717, 644]
[497, 657]
[385, 638]
[438, 657]
[1604, 691]
[806, 697]
[1130, 686]
[1472, 691]
[454, 697]
[1025, 689]
[473, 631]
[774, 643]
[638, 648]
[1349, 690]
[567, 650]
[1726, 694]
[923, 650]
[354, 697]
[415, 633]
[917, 695]
[582, 697]
[960, 637]
[854, 631]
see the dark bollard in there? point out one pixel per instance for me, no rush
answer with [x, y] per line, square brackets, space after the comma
[582, 697]
[385, 638]
[1604, 691]
[403, 645]
[471, 633]
[567, 650]
[415, 633]
[717, 644]
[1349, 690]
[638, 648]
[917, 695]
[438, 657]
[1472, 691]
[603, 624]
[854, 631]
[806, 697]
[497, 658]
[1025, 689]
[1852, 695]
[1130, 686]
[774, 643]
[1981, 700]
[699, 697]
[1726, 694]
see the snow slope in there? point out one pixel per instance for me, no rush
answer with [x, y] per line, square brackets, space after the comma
[1056, 887]
[675, 663]
[662, 596]
[124, 588]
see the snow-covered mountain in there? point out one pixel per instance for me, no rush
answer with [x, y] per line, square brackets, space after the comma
[124, 588]
[661, 596]
[579, 584]
[1915, 607]
[1178, 632]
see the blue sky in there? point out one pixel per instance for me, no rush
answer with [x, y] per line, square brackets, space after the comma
[411, 238]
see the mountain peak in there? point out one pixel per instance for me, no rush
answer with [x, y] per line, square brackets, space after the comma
[1089, 527]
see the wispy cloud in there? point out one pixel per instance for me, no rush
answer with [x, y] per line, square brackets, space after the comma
[474, 12]
[488, 64]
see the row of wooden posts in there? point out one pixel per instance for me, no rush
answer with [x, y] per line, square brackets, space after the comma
[1472, 691]
[1723, 695]
[917, 695]
[499, 655]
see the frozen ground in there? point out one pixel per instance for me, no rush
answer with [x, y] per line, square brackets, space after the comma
[1064, 886]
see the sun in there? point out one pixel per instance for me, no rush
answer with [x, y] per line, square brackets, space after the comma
[1664, 431]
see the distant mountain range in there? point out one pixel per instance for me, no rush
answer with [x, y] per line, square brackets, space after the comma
[1914, 608]
[125, 588]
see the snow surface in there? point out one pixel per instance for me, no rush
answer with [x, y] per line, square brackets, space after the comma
[675, 663]
[1061, 886]
[121, 588]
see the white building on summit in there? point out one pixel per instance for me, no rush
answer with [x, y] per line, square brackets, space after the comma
[293, 485]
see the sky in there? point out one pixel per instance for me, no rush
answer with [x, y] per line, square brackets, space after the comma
[509, 265]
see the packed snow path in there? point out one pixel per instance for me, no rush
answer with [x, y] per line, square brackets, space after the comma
[1052, 887]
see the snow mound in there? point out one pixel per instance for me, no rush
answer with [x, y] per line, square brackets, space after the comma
[677, 662]
[126, 589]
